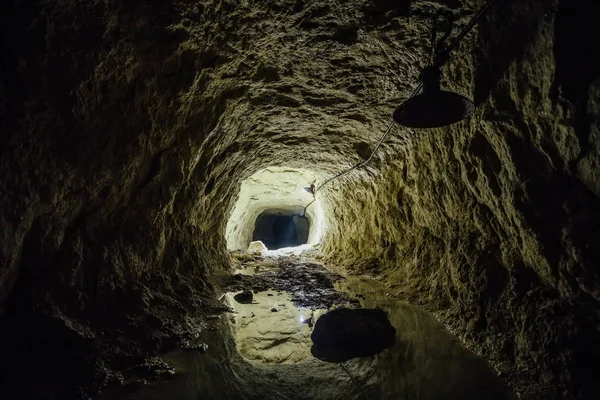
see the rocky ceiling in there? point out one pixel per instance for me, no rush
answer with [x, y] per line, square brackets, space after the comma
[128, 127]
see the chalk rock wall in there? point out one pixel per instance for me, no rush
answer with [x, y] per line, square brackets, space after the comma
[494, 222]
[127, 129]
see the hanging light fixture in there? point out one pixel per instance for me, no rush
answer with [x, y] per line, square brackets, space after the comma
[428, 106]
[433, 107]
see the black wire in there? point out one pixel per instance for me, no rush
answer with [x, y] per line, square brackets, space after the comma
[436, 45]
[362, 163]
[362, 389]
[440, 61]
[388, 130]
[352, 168]
[446, 52]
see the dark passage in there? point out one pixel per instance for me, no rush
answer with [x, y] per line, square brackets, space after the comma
[277, 229]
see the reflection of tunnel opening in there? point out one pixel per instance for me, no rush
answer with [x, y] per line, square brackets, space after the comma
[278, 229]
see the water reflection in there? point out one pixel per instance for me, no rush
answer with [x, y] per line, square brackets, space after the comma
[426, 362]
[272, 329]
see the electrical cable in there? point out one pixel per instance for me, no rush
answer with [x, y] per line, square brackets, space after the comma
[390, 126]
[362, 389]
[436, 44]
[440, 58]
[443, 56]
[361, 164]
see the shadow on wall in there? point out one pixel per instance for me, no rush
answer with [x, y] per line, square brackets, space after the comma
[281, 229]
[505, 35]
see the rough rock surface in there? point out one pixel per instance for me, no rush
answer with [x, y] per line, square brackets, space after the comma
[127, 128]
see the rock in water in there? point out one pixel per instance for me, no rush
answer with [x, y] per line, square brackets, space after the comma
[343, 334]
[244, 298]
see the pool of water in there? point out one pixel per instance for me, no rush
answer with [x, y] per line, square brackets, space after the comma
[426, 362]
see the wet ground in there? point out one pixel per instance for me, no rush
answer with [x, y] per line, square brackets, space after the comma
[426, 361]
[308, 282]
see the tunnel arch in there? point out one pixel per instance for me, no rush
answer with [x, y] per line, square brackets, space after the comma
[274, 190]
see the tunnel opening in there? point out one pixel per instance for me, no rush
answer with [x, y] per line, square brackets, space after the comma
[280, 229]
[270, 208]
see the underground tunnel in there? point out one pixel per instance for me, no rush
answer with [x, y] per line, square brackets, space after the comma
[270, 208]
[279, 229]
[297, 199]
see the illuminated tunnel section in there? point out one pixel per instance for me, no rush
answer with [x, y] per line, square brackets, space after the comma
[279, 229]
[270, 207]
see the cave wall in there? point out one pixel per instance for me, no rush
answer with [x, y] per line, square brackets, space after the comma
[102, 178]
[96, 155]
[127, 129]
[494, 222]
